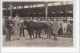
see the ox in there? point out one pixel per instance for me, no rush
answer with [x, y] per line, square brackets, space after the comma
[37, 27]
[67, 28]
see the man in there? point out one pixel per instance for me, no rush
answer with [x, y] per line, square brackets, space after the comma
[16, 27]
[55, 28]
[21, 27]
[3, 26]
[9, 24]
[60, 31]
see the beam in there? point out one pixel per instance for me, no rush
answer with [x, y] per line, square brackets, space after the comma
[46, 11]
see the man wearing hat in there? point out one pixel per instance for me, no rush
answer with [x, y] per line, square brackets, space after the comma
[16, 27]
[21, 27]
[55, 28]
[9, 24]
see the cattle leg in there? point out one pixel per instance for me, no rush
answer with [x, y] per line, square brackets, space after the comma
[39, 35]
[55, 37]
[23, 33]
[30, 35]
[65, 34]
[36, 34]
[33, 36]
[49, 36]
[20, 32]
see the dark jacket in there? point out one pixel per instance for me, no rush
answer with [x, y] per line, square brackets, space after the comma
[8, 23]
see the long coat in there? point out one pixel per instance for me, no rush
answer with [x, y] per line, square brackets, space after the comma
[55, 27]
[9, 29]
[8, 23]
[16, 26]
[3, 24]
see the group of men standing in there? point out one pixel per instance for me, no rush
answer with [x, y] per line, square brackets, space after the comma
[15, 25]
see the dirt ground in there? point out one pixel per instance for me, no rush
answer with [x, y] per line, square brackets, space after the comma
[38, 42]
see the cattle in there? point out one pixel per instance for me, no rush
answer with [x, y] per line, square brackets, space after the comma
[34, 27]
[66, 28]
[37, 27]
[49, 32]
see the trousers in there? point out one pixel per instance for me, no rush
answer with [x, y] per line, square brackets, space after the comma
[8, 34]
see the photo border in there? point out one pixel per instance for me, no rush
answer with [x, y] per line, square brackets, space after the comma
[76, 10]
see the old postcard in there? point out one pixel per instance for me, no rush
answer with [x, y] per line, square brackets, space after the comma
[38, 24]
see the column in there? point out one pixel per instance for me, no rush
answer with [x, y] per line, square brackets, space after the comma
[60, 12]
[10, 10]
[66, 10]
[46, 11]
[32, 12]
[28, 11]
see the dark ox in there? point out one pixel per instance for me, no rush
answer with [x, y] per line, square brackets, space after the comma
[37, 27]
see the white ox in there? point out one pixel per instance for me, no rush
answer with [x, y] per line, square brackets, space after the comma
[67, 27]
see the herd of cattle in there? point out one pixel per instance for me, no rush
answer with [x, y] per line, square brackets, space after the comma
[38, 28]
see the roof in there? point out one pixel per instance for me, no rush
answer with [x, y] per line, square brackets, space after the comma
[58, 10]
[7, 4]
[14, 4]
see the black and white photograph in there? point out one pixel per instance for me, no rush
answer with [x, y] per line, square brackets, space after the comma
[37, 24]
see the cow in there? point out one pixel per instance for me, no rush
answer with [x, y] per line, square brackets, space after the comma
[66, 28]
[49, 32]
[37, 27]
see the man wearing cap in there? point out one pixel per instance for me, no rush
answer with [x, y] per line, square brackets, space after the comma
[9, 24]
[21, 24]
[16, 27]
[55, 28]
